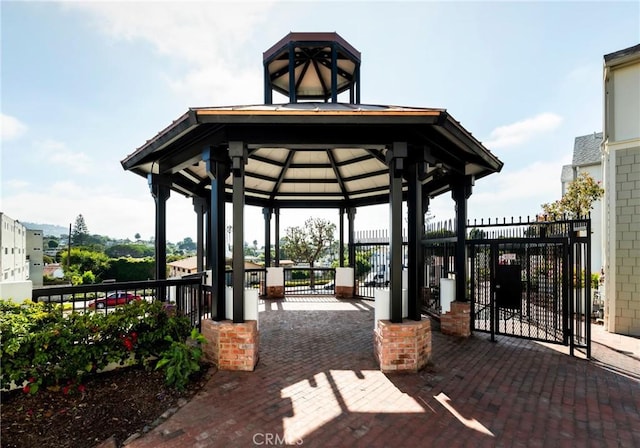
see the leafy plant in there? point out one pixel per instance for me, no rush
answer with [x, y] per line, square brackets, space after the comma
[181, 359]
[43, 347]
[578, 200]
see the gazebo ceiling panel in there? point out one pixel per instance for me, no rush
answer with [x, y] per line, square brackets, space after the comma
[276, 154]
[331, 153]
[363, 184]
[301, 188]
[345, 155]
[258, 184]
[306, 174]
[361, 168]
[264, 169]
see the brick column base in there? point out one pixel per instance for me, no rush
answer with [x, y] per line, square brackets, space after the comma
[404, 347]
[231, 346]
[344, 292]
[275, 292]
[457, 322]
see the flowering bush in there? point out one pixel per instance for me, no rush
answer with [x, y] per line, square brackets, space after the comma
[43, 347]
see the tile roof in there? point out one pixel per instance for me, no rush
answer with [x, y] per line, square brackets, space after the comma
[586, 149]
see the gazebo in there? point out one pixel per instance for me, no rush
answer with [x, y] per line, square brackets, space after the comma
[311, 152]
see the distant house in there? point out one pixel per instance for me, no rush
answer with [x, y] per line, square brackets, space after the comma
[621, 150]
[189, 265]
[53, 270]
[587, 158]
[183, 267]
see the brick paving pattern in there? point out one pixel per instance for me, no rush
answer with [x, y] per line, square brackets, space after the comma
[317, 385]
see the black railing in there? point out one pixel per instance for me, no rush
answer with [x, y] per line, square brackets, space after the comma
[373, 261]
[431, 301]
[253, 278]
[186, 294]
[309, 281]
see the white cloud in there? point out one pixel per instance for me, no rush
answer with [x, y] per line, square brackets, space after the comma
[12, 128]
[206, 38]
[57, 153]
[17, 184]
[522, 131]
[519, 192]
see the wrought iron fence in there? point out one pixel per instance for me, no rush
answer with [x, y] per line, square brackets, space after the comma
[309, 281]
[253, 278]
[531, 279]
[372, 266]
[438, 249]
[186, 294]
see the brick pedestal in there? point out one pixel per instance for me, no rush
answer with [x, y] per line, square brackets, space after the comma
[344, 292]
[457, 322]
[275, 292]
[404, 347]
[231, 346]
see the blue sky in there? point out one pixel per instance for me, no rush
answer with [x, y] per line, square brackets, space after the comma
[86, 83]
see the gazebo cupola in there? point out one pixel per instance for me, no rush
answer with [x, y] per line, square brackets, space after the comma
[312, 66]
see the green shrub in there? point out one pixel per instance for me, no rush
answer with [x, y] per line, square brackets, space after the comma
[181, 359]
[42, 346]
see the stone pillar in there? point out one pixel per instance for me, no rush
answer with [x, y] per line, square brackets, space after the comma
[231, 346]
[275, 283]
[345, 288]
[457, 321]
[404, 346]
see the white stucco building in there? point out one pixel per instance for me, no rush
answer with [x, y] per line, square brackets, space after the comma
[13, 243]
[621, 207]
[14, 266]
[34, 251]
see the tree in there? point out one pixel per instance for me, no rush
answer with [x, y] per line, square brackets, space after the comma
[82, 261]
[80, 232]
[52, 244]
[187, 245]
[577, 201]
[309, 243]
[129, 250]
[137, 236]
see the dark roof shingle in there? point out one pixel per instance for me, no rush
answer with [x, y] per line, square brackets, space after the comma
[586, 149]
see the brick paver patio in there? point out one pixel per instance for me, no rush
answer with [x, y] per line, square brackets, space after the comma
[317, 385]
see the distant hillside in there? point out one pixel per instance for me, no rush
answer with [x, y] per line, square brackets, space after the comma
[47, 229]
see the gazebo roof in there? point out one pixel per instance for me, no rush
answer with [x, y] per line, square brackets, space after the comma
[331, 154]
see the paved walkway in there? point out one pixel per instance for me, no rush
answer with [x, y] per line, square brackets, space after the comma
[317, 385]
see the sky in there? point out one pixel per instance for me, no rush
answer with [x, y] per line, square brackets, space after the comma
[84, 84]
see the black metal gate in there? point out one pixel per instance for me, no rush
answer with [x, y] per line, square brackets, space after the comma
[372, 265]
[532, 280]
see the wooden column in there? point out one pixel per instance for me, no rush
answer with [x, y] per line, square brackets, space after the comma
[218, 171]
